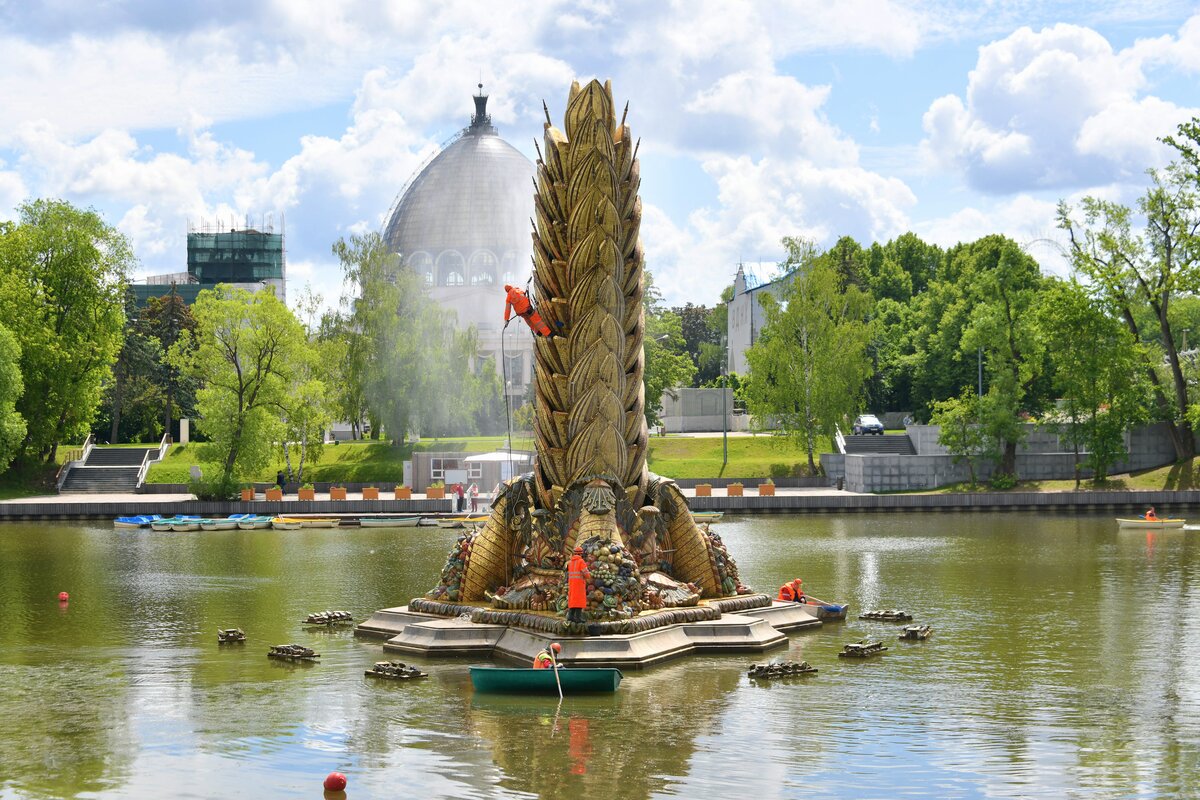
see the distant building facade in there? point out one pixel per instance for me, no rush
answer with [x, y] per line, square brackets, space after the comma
[248, 258]
[746, 317]
[463, 224]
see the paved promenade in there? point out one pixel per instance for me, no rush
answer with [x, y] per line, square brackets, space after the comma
[786, 500]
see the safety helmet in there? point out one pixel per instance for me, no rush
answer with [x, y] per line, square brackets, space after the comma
[578, 550]
[556, 647]
[507, 288]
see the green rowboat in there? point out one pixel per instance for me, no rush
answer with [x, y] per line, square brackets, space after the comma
[506, 680]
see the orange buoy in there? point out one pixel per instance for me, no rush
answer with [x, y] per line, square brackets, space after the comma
[335, 782]
[63, 597]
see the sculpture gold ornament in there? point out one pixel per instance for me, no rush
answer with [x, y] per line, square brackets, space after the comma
[589, 485]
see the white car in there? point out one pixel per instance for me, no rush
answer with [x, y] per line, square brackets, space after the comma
[867, 423]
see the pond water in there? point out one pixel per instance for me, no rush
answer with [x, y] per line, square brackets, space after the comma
[1065, 663]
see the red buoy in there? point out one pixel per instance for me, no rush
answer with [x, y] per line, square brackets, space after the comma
[63, 596]
[335, 782]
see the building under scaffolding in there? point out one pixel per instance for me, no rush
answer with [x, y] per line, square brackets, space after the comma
[248, 257]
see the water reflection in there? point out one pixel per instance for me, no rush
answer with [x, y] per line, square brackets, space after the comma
[1065, 660]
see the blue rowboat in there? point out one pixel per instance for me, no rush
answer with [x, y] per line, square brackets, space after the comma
[826, 612]
[140, 521]
[509, 680]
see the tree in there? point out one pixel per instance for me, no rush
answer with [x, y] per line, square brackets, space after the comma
[960, 430]
[1003, 291]
[133, 385]
[1130, 271]
[62, 274]
[12, 425]
[1095, 359]
[808, 368]
[419, 374]
[668, 364]
[248, 351]
[169, 320]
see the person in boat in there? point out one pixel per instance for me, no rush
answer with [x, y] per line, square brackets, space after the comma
[1150, 515]
[577, 578]
[548, 658]
[792, 592]
[518, 301]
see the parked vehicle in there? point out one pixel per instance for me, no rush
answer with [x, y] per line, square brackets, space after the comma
[867, 423]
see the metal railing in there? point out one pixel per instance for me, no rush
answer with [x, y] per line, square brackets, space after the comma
[839, 440]
[73, 456]
[143, 469]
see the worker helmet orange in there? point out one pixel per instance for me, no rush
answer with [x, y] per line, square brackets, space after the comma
[556, 647]
[578, 550]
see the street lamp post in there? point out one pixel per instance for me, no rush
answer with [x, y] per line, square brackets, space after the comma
[724, 405]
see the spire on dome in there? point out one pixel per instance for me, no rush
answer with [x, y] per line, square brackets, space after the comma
[481, 121]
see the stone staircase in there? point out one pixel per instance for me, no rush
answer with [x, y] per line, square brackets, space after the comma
[107, 469]
[894, 444]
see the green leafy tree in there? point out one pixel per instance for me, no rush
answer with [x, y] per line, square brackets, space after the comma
[1133, 271]
[12, 425]
[668, 364]
[960, 429]
[168, 319]
[132, 398]
[418, 373]
[1096, 373]
[1003, 293]
[247, 351]
[808, 368]
[62, 275]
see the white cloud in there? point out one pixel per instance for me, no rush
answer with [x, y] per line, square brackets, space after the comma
[758, 204]
[1056, 108]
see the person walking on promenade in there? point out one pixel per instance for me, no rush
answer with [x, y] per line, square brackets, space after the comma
[577, 578]
[280, 479]
[473, 491]
[458, 491]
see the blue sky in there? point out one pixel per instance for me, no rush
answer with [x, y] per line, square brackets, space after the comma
[758, 120]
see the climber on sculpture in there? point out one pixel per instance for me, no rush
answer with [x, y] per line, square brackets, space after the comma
[518, 301]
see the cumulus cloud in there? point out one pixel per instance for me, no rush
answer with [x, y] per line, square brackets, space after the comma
[1053, 109]
[760, 202]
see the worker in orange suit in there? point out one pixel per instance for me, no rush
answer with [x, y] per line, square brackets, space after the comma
[792, 592]
[577, 578]
[518, 301]
[547, 658]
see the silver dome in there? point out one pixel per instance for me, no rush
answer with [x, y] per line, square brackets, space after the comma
[464, 220]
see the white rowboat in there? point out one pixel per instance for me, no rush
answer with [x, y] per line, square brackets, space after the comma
[1153, 524]
[390, 522]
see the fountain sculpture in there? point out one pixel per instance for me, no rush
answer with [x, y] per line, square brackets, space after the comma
[651, 564]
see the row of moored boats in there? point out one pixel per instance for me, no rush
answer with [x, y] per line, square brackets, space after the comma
[248, 522]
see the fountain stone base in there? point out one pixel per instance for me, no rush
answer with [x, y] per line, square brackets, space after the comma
[752, 630]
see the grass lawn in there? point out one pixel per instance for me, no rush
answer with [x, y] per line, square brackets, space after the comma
[352, 462]
[364, 462]
[30, 481]
[749, 457]
[1184, 475]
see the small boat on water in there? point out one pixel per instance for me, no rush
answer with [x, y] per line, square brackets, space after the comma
[826, 612]
[1153, 524]
[169, 523]
[254, 522]
[409, 521]
[226, 524]
[461, 521]
[292, 523]
[510, 680]
[707, 516]
[140, 521]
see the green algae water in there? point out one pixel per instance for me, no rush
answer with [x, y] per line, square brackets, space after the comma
[1065, 662]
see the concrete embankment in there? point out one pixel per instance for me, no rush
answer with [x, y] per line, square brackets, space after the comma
[785, 501]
